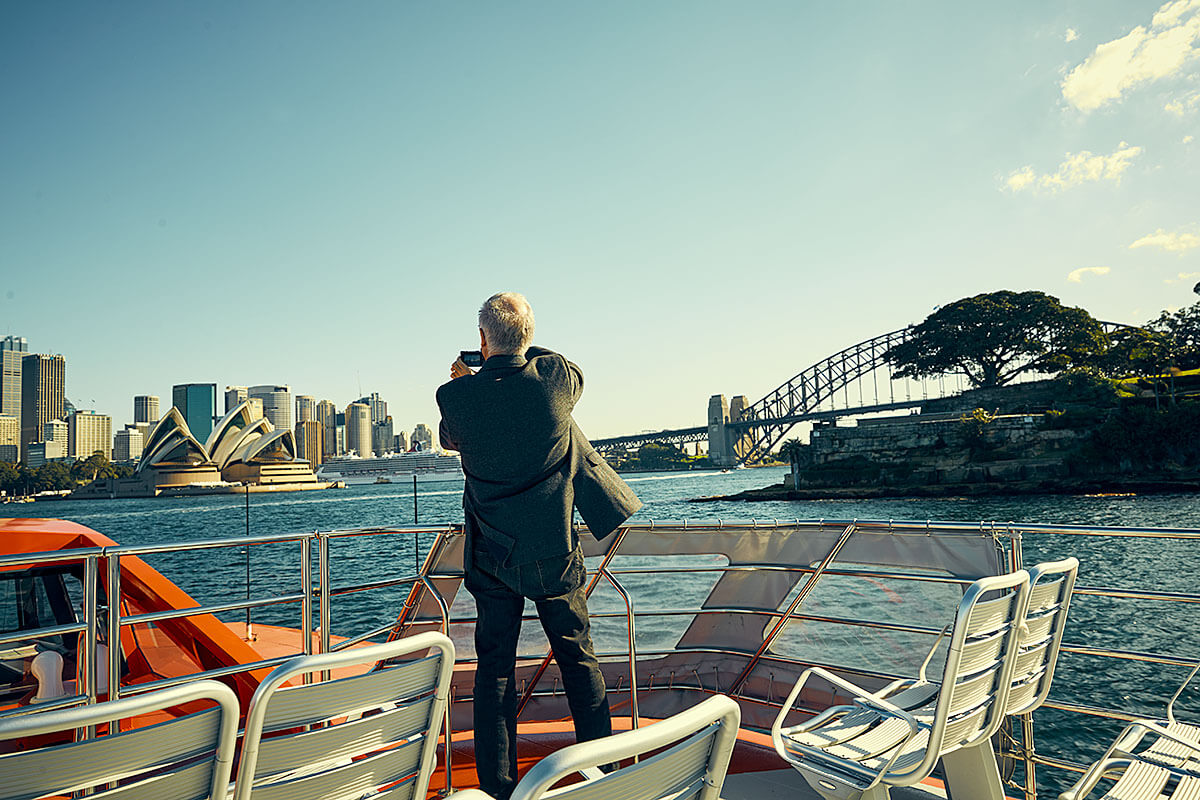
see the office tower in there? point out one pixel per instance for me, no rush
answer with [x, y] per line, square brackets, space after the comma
[378, 406]
[12, 350]
[310, 438]
[127, 444]
[234, 397]
[277, 404]
[326, 414]
[89, 433]
[306, 407]
[43, 381]
[422, 437]
[38, 454]
[197, 402]
[358, 429]
[381, 436]
[400, 442]
[57, 430]
[10, 438]
[145, 408]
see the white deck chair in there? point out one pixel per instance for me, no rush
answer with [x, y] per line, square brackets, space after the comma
[860, 750]
[1167, 767]
[185, 758]
[368, 735]
[699, 743]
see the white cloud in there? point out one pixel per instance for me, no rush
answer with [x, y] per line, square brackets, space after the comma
[1076, 276]
[1072, 35]
[1140, 56]
[1183, 276]
[1171, 242]
[1184, 104]
[1076, 168]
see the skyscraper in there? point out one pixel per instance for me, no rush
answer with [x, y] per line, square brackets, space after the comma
[358, 429]
[377, 404]
[89, 433]
[400, 442]
[234, 397]
[12, 350]
[381, 436]
[277, 404]
[197, 402]
[10, 438]
[145, 408]
[127, 445]
[57, 430]
[327, 416]
[310, 437]
[43, 398]
[306, 407]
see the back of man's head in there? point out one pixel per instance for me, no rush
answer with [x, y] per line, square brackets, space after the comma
[506, 320]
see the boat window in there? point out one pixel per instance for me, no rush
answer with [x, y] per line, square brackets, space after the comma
[30, 600]
[884, 604]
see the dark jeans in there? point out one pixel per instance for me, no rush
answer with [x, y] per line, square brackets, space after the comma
[555, 585]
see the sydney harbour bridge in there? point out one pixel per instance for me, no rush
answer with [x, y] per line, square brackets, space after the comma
[855, 381]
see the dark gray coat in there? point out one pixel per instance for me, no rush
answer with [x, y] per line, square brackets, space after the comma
[527, 464]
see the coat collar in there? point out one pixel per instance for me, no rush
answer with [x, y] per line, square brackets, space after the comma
[504, 362]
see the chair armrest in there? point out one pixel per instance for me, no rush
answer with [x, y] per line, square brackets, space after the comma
[861, 697]
[1087, 782]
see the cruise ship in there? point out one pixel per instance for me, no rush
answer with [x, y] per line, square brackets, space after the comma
[425, 465]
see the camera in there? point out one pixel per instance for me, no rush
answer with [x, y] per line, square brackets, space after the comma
[472, 358]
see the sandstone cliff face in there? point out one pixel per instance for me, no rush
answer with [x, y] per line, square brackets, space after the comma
[946, 448]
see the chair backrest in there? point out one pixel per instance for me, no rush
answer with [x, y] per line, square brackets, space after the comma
[979, 664]
[183, 758]
[348, 736]
[1050, 587]
[699, 742]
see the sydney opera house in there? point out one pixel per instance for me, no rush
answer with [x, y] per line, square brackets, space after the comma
[243, 451]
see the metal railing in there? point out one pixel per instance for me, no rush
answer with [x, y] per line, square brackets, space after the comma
[99, 624]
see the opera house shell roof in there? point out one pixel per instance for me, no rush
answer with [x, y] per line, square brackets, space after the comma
[241, 447]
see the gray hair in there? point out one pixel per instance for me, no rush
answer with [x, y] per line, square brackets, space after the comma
[506, 320]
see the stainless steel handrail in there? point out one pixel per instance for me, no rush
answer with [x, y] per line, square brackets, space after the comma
[322, 591]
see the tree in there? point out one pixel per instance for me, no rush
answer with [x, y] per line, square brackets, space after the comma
[1181, 331]
[790, 450]
[993, 338]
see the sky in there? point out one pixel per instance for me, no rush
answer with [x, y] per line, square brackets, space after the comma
[696, 197]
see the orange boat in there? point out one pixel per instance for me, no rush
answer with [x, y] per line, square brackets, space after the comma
[743, 626]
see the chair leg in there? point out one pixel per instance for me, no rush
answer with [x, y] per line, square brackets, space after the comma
[971, 773]
[830, 790]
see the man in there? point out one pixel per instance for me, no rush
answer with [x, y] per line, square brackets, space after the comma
[527, 465]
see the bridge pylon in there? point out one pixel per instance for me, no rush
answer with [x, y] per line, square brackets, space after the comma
[721, 452]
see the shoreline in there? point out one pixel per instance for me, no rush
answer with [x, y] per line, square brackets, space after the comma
[1081, 487]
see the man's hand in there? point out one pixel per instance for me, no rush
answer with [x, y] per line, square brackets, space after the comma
[459, 368]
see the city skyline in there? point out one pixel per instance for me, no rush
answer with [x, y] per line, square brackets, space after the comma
[697, 199]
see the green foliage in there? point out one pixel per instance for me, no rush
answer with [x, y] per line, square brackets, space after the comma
[1180, 332]
[1140, 436]
[1085, 387]
[18, 479]
[790, 450]
[992, 338]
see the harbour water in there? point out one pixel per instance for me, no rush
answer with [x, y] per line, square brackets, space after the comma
[1145, 626]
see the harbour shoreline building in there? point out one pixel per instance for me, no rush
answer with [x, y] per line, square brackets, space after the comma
[43, 395]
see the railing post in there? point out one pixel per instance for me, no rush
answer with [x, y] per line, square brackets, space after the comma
[113, 562]
[633, 700]
[326, 610]
[306, 605]
[91, 609]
